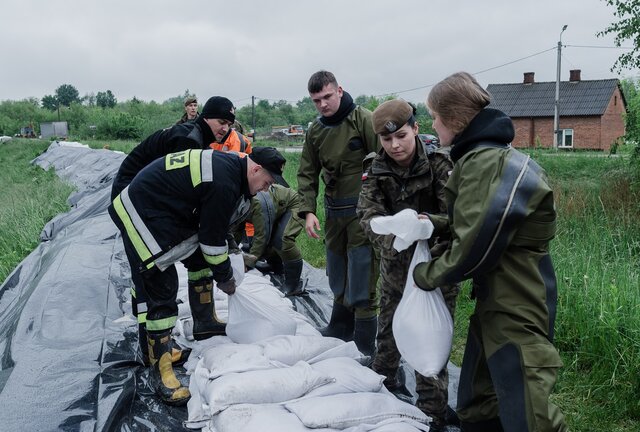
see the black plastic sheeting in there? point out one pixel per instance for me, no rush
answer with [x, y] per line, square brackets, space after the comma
[67, 338]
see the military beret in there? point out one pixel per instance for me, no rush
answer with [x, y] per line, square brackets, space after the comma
[391, 116]
[189, 100]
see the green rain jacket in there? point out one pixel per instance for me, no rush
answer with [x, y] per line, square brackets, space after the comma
[265, 212]
[501, 213]
[336, 153]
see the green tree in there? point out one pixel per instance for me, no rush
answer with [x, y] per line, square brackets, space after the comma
[106, 99]
[67, 94]
[627, 28]
[50, 102]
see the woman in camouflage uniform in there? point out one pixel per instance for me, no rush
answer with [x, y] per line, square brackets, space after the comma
[403, 176]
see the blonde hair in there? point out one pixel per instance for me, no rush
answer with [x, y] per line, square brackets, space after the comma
[456, 100]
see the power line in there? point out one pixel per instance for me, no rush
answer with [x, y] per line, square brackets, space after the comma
[598, 46]
[475, 73]
[514, 61]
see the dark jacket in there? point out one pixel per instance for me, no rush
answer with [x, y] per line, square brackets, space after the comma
[189, 195]
[190, 135]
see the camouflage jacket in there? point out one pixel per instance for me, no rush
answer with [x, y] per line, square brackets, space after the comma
[388, 189]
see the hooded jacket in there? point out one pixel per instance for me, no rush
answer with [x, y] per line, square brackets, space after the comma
[501, 213]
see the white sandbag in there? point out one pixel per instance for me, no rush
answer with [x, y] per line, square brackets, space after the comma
[349, 377]
[391, 425]
[345, 410]
[259, 418]
[262, 387]
[251, 319]
[348, 349]
[230, 358]
[237, 265]
[405, 225]
[422, 326]
[289, 350]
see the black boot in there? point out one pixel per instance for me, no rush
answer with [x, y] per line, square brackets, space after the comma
[341, 323]
[365, 335]
[203, 310]
[179, 355]
[292, 283]
[396, 384]
[161, 376]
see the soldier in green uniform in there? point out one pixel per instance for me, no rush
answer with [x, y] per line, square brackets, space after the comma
[274, 215]
[335, 146]
[403, 176]
[501, 216]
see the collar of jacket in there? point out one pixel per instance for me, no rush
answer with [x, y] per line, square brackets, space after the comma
[207, 134]
[489, 125]
[384, 165]
[346, 106]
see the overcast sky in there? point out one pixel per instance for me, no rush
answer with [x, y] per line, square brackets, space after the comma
[157, 49]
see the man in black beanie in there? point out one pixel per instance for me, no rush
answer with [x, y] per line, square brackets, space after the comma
[212, 125]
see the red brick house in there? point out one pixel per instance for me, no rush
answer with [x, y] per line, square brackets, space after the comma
[590, 112]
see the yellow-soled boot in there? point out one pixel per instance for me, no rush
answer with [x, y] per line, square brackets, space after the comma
[162, 378]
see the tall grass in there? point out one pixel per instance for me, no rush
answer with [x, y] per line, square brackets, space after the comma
[29, 197]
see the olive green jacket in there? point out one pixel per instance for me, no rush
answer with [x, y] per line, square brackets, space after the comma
[335, 153]
[265, 213]
[501, 216]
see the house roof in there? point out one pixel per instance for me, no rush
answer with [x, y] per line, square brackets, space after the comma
[577, 98]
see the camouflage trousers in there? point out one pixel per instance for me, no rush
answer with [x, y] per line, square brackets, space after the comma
[432, 392]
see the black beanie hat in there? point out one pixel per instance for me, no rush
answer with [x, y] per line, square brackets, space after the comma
[218, 107]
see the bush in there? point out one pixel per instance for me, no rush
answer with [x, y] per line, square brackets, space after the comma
[119, 125]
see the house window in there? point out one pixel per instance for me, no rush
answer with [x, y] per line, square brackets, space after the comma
[566, 138]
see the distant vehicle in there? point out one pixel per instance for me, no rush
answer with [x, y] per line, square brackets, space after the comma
[430, 142]
[286, 132]
[54, 129]
[27, 132]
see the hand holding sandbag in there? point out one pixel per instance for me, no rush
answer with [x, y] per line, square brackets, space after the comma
[228, 287]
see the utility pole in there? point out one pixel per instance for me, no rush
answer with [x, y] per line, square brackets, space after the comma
[253, 116]
[556, 114]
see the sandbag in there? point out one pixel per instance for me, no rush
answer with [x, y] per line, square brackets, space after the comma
[289, 350]
[345, 410]
[251, 319]
[348, 375]
[422, 326]
[231, 358]
[259, 418]
[262, 386]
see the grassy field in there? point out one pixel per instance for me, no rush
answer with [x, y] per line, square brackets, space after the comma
[596, 255]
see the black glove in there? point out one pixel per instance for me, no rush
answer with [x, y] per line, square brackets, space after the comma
[228, 287]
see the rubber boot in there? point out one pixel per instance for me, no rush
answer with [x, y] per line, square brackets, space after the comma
[161, 376]
[203, 309]
[341, 323]
[292, 283]
[179, 355]
[365, 335]
[396, 384]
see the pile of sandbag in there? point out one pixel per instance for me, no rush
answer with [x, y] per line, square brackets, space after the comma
[275, 372]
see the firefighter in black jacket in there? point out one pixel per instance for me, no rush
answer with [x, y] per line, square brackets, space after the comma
[213, 125]
[179, 207]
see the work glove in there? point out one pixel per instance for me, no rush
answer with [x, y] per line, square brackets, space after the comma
[249, 260]
[228, 287]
